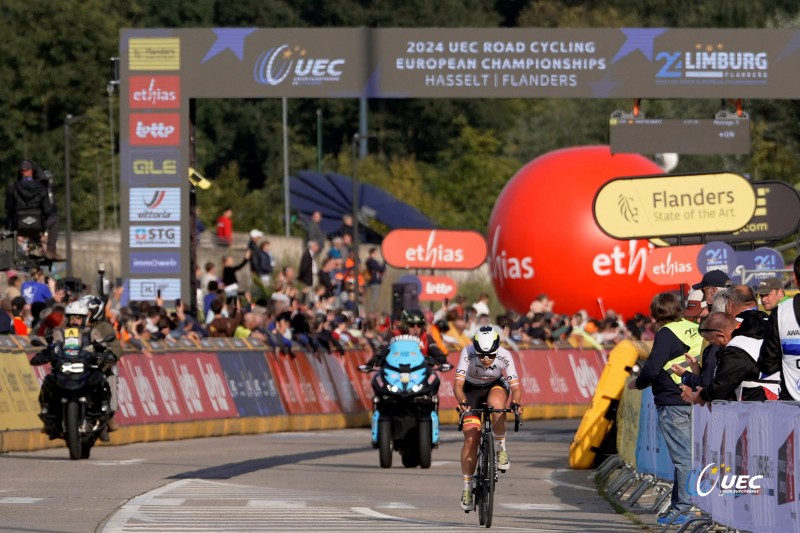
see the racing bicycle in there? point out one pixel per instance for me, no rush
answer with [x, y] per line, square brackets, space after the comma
[486, 473]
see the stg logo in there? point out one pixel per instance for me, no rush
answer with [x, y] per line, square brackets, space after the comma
[155, 129]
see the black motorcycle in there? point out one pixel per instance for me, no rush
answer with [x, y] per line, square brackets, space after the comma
[75, 396]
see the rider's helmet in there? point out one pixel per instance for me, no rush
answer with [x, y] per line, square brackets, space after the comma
[95, 306]
[486, 342]
[411, 317]
[77, 313]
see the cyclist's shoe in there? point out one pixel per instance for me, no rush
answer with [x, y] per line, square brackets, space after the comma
[466, 500]
[503, 464]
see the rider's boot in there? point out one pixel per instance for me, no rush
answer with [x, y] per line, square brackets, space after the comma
[503, 464]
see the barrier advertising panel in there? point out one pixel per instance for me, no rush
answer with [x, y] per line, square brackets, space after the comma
[251, 384]
[151, 377]
[202, 385]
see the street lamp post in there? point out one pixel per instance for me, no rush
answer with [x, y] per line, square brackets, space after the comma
[358, 139]
[68, 121]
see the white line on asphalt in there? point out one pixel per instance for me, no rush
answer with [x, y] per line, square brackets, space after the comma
[15, 500]
[366, 511]
[538, 507]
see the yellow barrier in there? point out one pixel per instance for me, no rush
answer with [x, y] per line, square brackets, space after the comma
[19, 392]
[597, 420]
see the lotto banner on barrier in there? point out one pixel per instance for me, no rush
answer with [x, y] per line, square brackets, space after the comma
[155, 390]
[202, 384]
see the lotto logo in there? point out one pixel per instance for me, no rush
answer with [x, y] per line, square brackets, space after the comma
[155, 129]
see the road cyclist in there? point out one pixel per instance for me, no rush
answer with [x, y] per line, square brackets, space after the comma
[485, 375]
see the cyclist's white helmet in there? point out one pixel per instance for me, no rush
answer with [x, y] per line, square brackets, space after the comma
[486, 342]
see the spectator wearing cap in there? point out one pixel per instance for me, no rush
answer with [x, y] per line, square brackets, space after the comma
[696, 306]
[771, 293]
[696, 375]
[713, 281]
[260, 260]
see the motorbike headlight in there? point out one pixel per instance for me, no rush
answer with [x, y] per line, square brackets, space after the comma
[393, 388]
[416, 388]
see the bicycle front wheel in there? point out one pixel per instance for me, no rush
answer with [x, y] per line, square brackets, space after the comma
[490, 474]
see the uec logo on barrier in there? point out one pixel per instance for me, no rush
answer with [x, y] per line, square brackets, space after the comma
[702, 482]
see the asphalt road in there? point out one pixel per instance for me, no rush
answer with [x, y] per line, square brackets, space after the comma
[314, 481]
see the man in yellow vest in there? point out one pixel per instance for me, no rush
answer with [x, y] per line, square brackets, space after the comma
[675, 337]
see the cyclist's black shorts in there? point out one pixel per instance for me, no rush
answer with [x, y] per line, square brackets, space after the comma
[477, 394]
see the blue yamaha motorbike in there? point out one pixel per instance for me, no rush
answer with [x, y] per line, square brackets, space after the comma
[405, 407]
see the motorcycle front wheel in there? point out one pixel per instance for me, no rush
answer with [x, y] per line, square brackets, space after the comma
[71, 435]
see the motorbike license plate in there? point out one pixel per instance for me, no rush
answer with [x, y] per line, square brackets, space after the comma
[72, 368]
[404, 378]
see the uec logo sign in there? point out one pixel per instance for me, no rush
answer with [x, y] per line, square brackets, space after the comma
[275, 65]
[702, 483]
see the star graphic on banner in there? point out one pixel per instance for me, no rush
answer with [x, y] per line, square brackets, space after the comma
[791, 47]
[603, 88]
[228, 38]
[714, 470]
[638, 39]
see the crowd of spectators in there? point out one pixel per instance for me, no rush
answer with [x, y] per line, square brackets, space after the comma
[290, 317]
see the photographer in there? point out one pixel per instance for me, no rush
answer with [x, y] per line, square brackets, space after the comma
[30, 196]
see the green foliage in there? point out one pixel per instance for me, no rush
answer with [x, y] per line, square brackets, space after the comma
[230, 190]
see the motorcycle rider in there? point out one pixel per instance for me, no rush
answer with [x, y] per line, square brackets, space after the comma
[480, 380]
[77, 315]
[412, 322]
[100, 328]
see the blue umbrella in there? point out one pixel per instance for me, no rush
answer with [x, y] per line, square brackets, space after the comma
[332, 195]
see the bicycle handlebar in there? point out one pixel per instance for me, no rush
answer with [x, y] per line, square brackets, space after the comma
[490, 410]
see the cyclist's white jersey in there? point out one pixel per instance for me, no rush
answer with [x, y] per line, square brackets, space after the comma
[471, 369]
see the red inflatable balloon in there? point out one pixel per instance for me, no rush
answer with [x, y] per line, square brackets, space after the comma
[543, 237]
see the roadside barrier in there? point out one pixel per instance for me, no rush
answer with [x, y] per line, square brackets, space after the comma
[745, 464]
[181, 389]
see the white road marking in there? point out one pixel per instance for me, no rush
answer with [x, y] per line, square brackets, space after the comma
[538, 507]
[441, 463]
[395, 505]
[122, 462]
[16, 500]
[192, 505]
[366, 511]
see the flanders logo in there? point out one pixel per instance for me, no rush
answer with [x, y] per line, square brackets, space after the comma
[163, 53]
